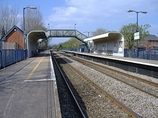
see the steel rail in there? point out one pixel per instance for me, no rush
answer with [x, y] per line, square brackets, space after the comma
[126, 74]
[74, 98]
[121, 73]
[131, 113]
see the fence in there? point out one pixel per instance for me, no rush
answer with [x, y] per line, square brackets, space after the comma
[8, 45]
[11, 56]
[0, 44]
[150, 54]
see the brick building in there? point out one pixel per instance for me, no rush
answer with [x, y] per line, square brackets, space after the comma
[151, 41]
[15, 36]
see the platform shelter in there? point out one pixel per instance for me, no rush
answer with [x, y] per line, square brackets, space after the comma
[111, 43]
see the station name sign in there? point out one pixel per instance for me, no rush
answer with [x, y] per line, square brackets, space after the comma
[136, 36]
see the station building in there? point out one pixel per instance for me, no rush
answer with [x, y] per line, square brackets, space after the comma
[13, 39]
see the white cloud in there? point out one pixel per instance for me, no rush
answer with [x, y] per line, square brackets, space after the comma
[109, 14]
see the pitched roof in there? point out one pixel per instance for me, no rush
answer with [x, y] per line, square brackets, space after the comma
[151, 37]
[14, 27]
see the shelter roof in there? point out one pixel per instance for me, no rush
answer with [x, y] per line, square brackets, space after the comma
[35, 35]
[106, 36]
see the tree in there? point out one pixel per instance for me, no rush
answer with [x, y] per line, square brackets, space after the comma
[33, 20]
[8, 18]
[72, 43]
[2, 31]
[99, 31]
[128, 33]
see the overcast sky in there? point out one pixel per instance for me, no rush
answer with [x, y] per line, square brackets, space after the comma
[88, 15]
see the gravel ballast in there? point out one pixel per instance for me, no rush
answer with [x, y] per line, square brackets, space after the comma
[140, 102]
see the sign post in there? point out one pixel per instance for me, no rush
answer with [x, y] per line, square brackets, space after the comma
[136, 37]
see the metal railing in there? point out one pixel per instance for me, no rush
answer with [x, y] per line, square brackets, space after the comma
[66, 33]
[11, 56]
[149, 54]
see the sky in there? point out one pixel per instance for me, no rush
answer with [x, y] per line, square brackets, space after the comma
[89, 15]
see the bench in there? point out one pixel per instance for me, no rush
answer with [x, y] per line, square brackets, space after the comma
[99, 51]
[109, 52]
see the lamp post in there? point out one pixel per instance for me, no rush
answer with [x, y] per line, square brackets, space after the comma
[75, 29]
[75, 26]
[29, 7]
[48, 26]
[87, 33]
[137, 30]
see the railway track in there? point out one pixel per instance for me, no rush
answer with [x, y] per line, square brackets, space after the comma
[143, 85]
[68, 103]
[96, 102]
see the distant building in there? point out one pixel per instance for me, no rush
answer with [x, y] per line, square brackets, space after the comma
[151, 41]
[13, 39]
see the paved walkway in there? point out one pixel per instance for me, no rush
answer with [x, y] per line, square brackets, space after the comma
[27, 90]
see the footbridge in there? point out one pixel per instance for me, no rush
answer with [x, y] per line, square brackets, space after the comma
[36, 36]
[66, 33]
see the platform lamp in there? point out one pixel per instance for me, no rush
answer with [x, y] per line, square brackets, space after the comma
[137, 30]
[87, 33]
[29, 7]
[75, 29]
[75, 26]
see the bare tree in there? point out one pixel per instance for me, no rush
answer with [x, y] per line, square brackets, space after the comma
[99, 31]
[33, 20]
[8, 18]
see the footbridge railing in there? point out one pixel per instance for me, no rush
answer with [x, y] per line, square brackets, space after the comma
[66, 33]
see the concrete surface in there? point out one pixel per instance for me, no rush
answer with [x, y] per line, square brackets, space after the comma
[27, 90]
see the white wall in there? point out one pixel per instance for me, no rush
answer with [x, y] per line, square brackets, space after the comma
[31, 47]
[116, 46]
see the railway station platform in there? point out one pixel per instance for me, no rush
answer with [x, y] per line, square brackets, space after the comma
[28, 89]
[134, 60]
[135, 65]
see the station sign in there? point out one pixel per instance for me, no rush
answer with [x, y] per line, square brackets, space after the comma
[136, 36]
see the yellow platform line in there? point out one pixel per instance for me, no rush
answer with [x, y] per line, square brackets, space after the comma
[31, 73]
